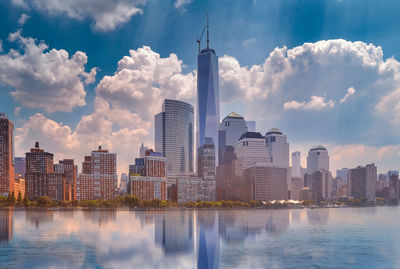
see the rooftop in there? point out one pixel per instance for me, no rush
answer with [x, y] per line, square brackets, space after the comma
[233, 115]
[318, 147]
[274, 131]
[251, 135]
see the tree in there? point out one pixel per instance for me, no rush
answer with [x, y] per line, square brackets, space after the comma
[11, 199]
[26, 200]
[44, 201]
[19, 199]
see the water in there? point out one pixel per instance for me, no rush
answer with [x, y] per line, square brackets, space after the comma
[298, 238]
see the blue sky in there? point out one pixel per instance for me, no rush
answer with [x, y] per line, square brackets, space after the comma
[267, 73]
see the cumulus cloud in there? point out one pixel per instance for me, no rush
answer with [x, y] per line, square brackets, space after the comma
[350, 92]
[42, 78]
[106, 14]
[123, 114]
[144, 79]
[315, 103]
[22, 19]
[180, 4]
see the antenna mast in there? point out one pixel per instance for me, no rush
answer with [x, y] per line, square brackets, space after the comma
[208, 39]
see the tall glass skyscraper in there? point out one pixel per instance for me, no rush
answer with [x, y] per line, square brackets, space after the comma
[174, 136]
[207, 96]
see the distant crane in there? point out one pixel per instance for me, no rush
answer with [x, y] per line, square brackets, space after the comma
[202, 33]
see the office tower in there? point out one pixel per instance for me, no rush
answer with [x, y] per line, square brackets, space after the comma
[296, 164]
[230, 130]
[277, 147]
[7, 177]
[207, 96]
[20, 166]
[154, 164]
[40, 178]
[342, 173]
[206, 169]
[102, 181]
[393, 185]
[87, 165]
[70, 170]
[362, 182]
[251, 125]
[174, 136]
[268, 181]
[142, 151]
[320, 182]
[317, 159]
[250, 148]
[138, 168]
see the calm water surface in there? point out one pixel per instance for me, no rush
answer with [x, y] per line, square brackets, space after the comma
[299, 238]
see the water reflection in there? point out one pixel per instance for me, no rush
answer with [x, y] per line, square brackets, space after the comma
[6, 225]
[38, 218]
[199, 239]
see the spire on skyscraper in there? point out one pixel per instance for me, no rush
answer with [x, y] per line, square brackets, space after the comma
[208, 36]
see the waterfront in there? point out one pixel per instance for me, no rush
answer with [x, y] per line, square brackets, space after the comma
[293, 238]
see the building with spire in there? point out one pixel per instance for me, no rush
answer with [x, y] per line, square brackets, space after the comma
[207, 95]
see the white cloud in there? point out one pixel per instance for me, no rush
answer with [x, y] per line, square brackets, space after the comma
[22, 19]
[124, 109]
[42, 78]
[1, 45]
[106, 14]
[17, 110]
[315, 103]
[248, 42]
[180, 4]
[350, 92]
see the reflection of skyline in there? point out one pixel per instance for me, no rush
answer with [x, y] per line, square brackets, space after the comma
[209, 245]
[6, 224]
[37, 218]
[318, 216]
[101, 217]
[174, 232]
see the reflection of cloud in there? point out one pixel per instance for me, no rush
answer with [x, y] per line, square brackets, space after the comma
[318, 216]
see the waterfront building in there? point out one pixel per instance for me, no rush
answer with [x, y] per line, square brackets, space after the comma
[277, 147]
[174, 136]
[297, 186]
[230, 130]
[362, 182]
[20, 166]
[70, 170]
[148, 188]
[154, 164]
[393, 185]
[268, 181]
[250, 148]
[317, 159]
[102, 181]
[195, 188]
[207, 96]
[7, 168]
[306, 194]
[19, 186]
[342, 173]
[320, 182]
[296, 164]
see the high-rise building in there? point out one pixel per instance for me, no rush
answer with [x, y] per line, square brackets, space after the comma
[123, 183]
[206, 169]
[269, 181]
[207, 96]
[362, 182]
[230, 130]
[148, 188]
[154, 164]
[142, 151]
[250, 148]
[102, 181]
[174, 136]
[277, 147]
[20, 166]
[7, 177]
[296, 164]
[70, 170]
[342, 173]
[320, 182]
[87, 165]
[40, 177]
[317, 159]
[393, 185]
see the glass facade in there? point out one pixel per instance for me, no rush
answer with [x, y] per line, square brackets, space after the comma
[207, 97]
[174, 136]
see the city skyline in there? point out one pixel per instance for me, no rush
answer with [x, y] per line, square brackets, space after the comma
[103, 105]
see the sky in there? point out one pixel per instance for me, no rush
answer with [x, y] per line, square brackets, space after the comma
[77, 74]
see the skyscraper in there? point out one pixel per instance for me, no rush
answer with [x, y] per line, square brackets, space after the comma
[230, 130]
[7, 177]
[277, 147]
[207, 96]
[317, 159]
[362, 182]
[174, 136]
[296, 164]
[342, 173]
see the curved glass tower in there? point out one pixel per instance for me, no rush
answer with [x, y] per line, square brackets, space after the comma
[207, 96]
[174, 136]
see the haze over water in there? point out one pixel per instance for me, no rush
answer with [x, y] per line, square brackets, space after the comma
[298, 238]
